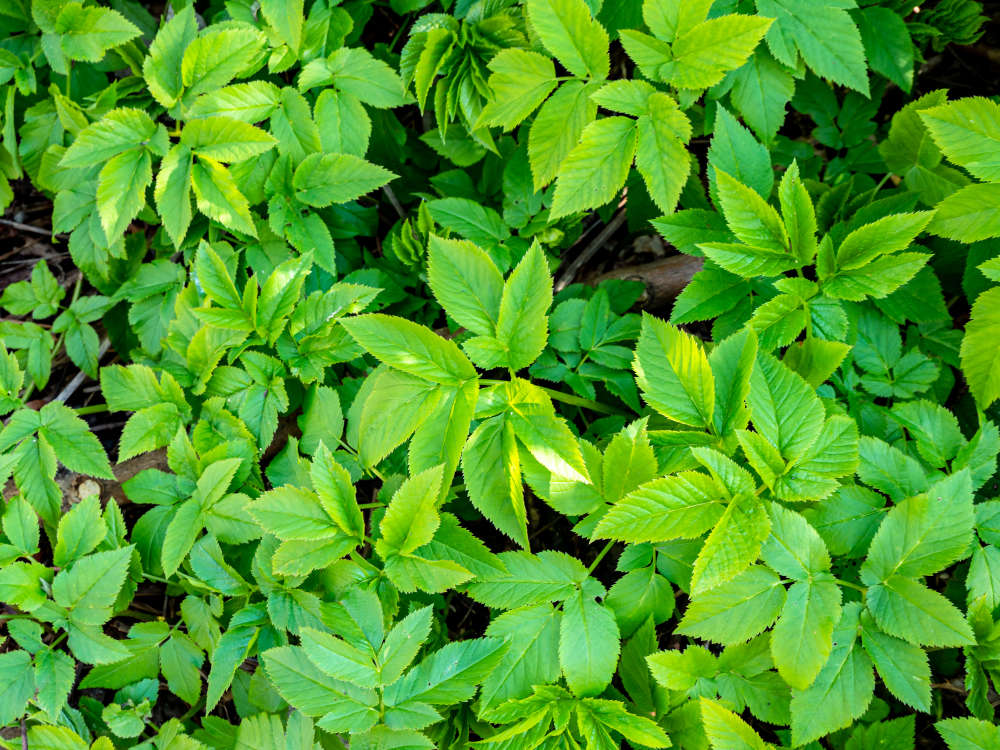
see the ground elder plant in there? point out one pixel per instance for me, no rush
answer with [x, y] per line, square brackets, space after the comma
[499, 374]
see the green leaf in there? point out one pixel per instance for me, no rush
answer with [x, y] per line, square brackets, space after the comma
[802, 638]
[225, 139]
[761, 90]
[923, 534]
[669, 18]
[323, 179]
[291, 513]
[629, 462]
[909, 610]
[824, 33]
[467, 283]
[470, 219]
[968, 733]
[967, 214]
[705, 53]
[595, 715]
[732, 362]
[887, 45]
[640, 595]
[286, 19]
[735, 611]
[557, 128]
[726, 730]
[217, 56]
[87, 33]
[594, 172]
[411, 518]
[119, 130]
[18, 685]
[522, 325]
[180, 535]
[339, 659]
[661, 156]
[784, 408]
[173, 192]
[886, 235]
[532, 658]
[519, 82]
[181, 661]
[356, 71]
[80, 531]
[412, 401]
[733, 545]
[410, 347]
[682, 506]
[89, 588]
[843, 689]
[551, 442]
[78, 448]
[673, 373]
[441, 437]
[162, 67]
[492, 470]
[304, 686]
[449, 675]
[55, 675]
[219, 198]
[588, 645]
[528, 579]
[980, 358]
[798, 214]
[402, 644]
[568, 31]
[20, 525]
[736, 152]
[968, 132]
[794, 549]
[250, 102]
[903, 667]
[749, 216]
[336, 493]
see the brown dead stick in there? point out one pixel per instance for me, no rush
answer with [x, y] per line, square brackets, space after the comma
[664, 279]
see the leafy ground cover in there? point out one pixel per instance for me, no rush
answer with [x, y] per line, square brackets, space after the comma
[556, 374]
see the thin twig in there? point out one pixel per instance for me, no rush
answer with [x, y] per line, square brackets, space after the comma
[75, 383]
[394, 201]
[596, 244]
[28, 228]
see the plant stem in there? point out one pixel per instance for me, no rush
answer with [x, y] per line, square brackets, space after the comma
[93, 409]
[600, 556]
[858, 587]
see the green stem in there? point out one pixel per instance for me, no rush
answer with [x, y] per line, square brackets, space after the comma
[841, 582]
[879, 187]
[366, 506]
[600, 556]
[198, 705]
[94, 409]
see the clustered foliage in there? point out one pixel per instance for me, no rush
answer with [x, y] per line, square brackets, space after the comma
[396, 492]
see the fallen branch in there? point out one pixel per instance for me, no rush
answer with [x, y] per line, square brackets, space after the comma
[664, 279]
